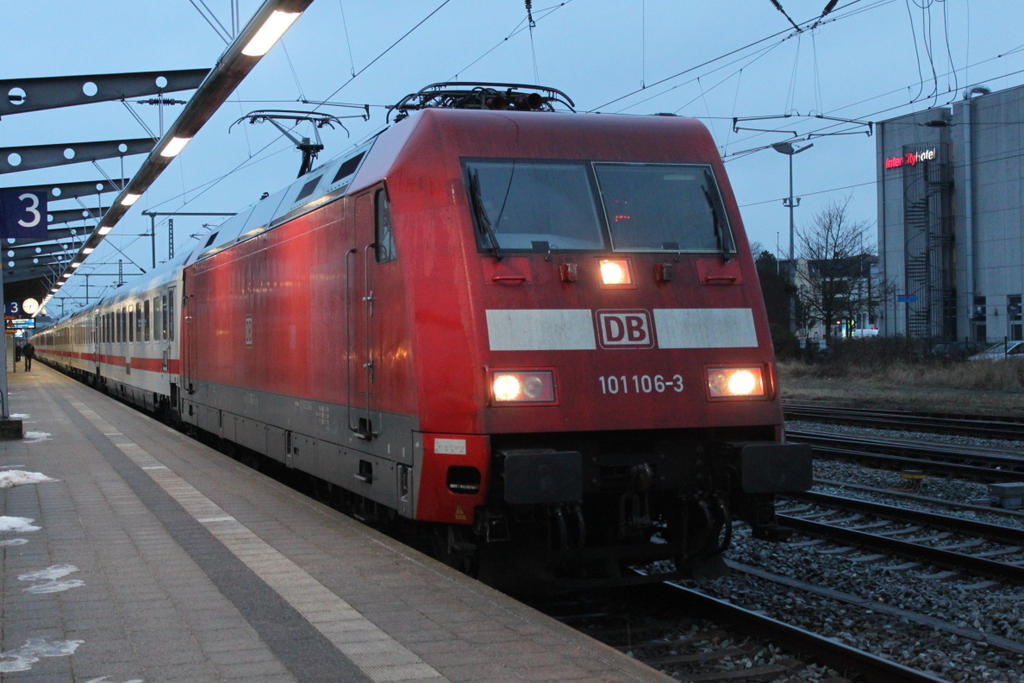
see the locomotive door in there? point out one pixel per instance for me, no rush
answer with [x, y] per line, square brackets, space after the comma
[362, 320]
[359, 305]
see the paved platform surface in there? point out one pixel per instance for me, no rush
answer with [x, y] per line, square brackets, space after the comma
[150, 557]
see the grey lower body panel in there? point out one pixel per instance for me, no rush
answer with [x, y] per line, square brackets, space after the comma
[316, 437]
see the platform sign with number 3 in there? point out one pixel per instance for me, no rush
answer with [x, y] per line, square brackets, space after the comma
[23, 214]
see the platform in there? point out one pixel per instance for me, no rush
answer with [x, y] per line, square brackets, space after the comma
[151, 557]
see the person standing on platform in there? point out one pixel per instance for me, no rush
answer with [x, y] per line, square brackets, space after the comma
[29, 352]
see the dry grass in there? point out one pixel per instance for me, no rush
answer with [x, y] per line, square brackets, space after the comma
[990, 388]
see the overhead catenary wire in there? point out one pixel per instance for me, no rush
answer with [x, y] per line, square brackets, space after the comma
[750, 60]
[539, 15]
[212, 20]
[389, 48]
[872, 115]
[348, 41]
[787, 33]
[291, 67]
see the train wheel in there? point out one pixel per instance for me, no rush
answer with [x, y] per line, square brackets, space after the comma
[453, 547]
[323, 490]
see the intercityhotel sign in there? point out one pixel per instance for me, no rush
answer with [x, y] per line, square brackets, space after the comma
[910, 159]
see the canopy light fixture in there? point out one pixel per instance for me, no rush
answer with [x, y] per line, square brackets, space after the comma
[266, 27]
[75, 264]
[268, 34]
[174, 147]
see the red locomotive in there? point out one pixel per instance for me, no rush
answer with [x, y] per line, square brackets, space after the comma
[538, 331]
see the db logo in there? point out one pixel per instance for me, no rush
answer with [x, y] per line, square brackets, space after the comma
[625, 329]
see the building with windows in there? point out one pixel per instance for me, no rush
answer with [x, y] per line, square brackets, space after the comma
[951, 219]
[835, 298]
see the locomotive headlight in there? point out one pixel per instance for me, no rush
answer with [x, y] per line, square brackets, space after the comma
[533, 387]
[615, 272]
[523, 387]
[735, 382]
[506, 387]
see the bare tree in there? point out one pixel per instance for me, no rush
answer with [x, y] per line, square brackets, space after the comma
[834, 279]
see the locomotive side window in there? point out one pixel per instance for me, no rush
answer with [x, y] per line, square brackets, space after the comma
[533, 206]
[663, 207]
[383, 237]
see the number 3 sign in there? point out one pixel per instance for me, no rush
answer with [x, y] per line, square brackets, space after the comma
[22, 214]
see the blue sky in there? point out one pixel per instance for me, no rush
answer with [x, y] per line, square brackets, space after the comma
[869, 60]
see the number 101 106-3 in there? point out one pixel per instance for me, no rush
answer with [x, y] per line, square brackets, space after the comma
[640, 384]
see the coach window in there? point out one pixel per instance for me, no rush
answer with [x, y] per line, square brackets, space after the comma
[383, 237]
[163, 328]
[138, 321]
[145, 320]
[156, 318]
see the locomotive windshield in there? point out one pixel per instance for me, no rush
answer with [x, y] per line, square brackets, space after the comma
[570, 205]
[535, 206]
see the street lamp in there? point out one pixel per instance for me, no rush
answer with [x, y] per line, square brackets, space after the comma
[791, 202]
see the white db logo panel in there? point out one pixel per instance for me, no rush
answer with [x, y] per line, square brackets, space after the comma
[625, 329]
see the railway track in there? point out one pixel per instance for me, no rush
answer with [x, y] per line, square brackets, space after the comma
[951, 542]
[989, 465]
[717, 640]
[986, 427]
[921, 499]
[876, 606]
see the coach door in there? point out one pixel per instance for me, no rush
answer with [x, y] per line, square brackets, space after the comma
[95, 336]
[187, 337]
[372, 246]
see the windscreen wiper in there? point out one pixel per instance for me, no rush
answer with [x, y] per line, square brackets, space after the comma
[481, 214]
[716, 222]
